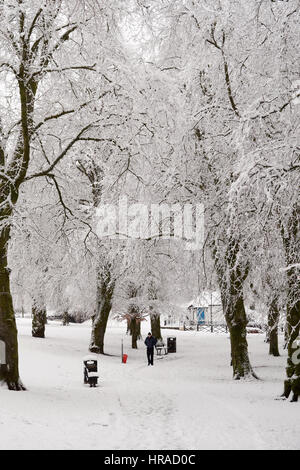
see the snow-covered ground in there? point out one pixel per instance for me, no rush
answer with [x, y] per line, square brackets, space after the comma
[186, 401]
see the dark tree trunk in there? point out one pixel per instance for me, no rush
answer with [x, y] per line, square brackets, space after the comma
[105, 290]
[135, 332]
[154, 316]
[39, 320]
[134, 325]
[9, 192]
[291, 243]
[37, 55]
[292, 382]
[66, 319]
[9, 373]
[232, 276]
[133, 315]
[237, 324]
[273, 320]
[155, 325]
[105, 285]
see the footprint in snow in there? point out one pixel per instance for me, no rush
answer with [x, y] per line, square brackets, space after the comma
[98, 424]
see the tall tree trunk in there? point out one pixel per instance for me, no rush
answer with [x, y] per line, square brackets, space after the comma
[30, 55]
[292, 382]
[39, 320]
[236, 320]
[9, 192]
[105, 290]
[134, 324]
[154, 315]
[232, 276]
[133, 315]
[291, 243]
[134, 331]
[273, 320]
[9, 373]
[155, 325]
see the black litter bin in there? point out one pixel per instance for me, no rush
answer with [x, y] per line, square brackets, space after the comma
[171, 344]
[90, 370]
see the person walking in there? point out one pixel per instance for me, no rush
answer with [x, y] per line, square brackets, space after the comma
[150, 342]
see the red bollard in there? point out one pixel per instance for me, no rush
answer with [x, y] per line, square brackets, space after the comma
[124, 358]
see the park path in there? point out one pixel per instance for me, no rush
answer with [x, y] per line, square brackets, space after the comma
[163, 408]
[186, 401]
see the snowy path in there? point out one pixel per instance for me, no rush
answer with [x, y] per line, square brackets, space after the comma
[186, 401]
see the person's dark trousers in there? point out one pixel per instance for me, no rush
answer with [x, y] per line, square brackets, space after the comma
[150, 354]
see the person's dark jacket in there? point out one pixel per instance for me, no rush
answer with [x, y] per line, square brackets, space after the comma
[150, 342]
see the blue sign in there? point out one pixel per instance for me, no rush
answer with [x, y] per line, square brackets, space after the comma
[201, 316]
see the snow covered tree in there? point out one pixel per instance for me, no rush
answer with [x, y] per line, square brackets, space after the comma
[235, 96]
[46, 52]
